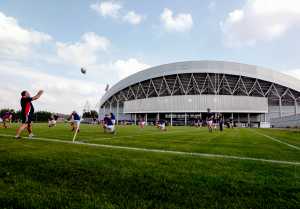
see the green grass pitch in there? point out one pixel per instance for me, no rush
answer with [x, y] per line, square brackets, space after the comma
[254, 168]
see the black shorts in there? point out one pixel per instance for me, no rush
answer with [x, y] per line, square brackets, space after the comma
[26, 119]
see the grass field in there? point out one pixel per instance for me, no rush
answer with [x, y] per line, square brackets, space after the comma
[239, 168]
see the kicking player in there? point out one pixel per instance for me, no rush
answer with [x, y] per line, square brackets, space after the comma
[75, 121]
[27, 112]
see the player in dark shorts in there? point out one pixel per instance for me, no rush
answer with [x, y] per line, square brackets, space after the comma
[221, 121]
[108, 125]
[27, 112]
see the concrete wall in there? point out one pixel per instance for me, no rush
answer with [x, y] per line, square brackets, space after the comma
[287, 121]
[198, 103]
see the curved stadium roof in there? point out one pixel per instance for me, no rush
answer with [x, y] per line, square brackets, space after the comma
[218, 67]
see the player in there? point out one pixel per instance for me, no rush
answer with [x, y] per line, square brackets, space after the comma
[113, 118]
[221, 122]
[231, 122]
[215, 122]
[6, 119]
[75, 121]
[27, 112]
[108, 125]
[209, 120]
[52, 121]
[162, 125]
[142, 122]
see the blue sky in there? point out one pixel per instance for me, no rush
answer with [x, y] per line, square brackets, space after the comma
[44, 43]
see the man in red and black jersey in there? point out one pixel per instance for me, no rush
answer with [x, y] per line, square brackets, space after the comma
[27, 112]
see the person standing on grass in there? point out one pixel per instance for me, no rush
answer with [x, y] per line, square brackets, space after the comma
[231, 122]
[221, 122]
[142, 122]
[27, 112]
[209, 120]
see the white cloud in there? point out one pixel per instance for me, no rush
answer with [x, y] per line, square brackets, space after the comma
[83, 53]
[133, 18]
[181, 22]
[114, 10]
[107, 8]
[62, 94]
[16, 41]
[260, 20]
[128, 67]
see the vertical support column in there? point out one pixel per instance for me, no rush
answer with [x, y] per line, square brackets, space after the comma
[249, 120]
[146, 119]
[157, 117]
[171, 119]
[265, 117]
[110, 107]
[280, 109]
[117, 112]
[296, 107]
[134, 118]
[185, 119]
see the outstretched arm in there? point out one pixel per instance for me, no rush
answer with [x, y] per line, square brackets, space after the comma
[38, 95]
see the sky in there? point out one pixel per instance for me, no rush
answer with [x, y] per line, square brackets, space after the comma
[43, 44]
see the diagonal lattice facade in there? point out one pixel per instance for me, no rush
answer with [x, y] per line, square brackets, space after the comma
[207, 84]
[186, 89]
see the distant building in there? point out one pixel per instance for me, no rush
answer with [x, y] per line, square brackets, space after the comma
[182, 92]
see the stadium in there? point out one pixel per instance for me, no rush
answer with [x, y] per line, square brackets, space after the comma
[182, 92]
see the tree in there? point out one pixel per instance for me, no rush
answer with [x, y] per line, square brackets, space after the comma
[3, 111]
[41, 116]
[90, 114]
[94, 114]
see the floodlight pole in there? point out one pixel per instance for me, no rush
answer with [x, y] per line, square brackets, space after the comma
[280, 107]
[265, 117]
[117, 112]
[296, 107]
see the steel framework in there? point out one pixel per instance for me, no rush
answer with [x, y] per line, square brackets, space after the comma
[206, 83]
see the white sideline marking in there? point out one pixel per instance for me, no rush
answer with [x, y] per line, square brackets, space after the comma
[207, 155]
[279, 141]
